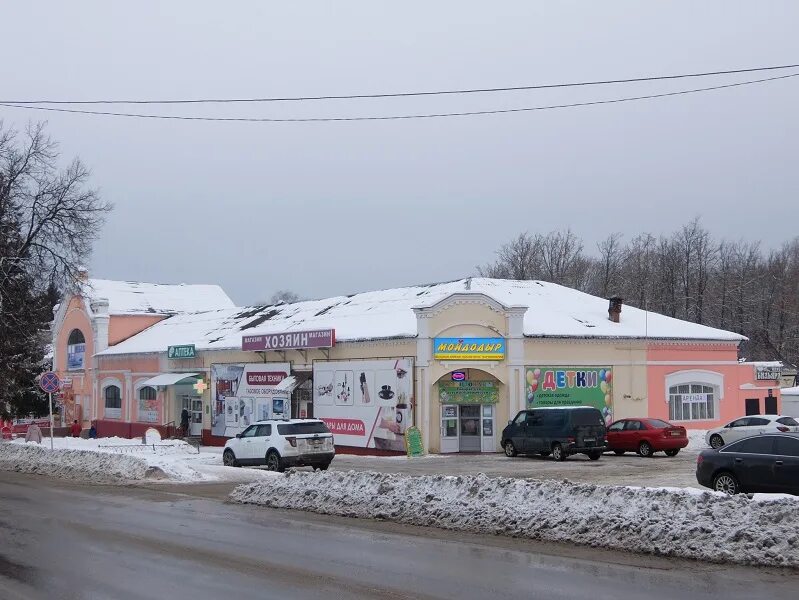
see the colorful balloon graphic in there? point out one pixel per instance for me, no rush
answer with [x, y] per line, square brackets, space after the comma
[530, 377]
[534, 385]
[607, 399]
[537, 373]
[603, 386]
[608, 376]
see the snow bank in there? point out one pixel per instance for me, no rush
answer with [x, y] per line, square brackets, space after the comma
[703, 526]
[77, 465]
[696, 440]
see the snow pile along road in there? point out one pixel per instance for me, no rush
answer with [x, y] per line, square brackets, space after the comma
[707, 526]
[78, 465]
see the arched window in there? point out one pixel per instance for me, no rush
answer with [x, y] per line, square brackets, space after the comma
[148, 405]
[694, 395]
[76, 350]
[113, 397]
[692, 402]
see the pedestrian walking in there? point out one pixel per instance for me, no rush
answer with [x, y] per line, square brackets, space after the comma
[184, 422]
[75, 429]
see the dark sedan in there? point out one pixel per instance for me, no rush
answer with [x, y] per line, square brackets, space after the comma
[761, 463]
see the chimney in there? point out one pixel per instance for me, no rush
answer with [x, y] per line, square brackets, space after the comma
[82, 274]
[614, 308]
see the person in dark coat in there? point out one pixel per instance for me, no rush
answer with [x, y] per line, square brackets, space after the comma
[184, 421]
[93, 432]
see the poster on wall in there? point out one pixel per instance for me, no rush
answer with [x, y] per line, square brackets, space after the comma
[571, 386]
[75, 355]
[244, 393]
[365, 403]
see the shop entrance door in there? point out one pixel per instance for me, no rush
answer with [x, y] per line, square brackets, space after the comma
[470, 428]
[195, 408]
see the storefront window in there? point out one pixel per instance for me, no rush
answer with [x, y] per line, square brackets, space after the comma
[76, 350]
[692, 402]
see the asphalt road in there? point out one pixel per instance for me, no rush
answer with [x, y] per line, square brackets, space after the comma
[68, 541]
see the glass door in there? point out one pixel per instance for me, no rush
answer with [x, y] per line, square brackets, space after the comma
[449, 428]
[196, 416]
[488, 444]
[470, 428]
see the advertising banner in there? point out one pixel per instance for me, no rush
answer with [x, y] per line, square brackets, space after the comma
[365, 403]
[295, 340]
[244, 393]
[75, 356]
[468, 392]
[445, 348]
[571, 386]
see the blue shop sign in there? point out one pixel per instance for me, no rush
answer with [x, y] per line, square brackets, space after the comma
[445, 348]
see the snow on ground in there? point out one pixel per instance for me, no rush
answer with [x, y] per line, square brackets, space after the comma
[696, 440]
[696, 525]
[77, 465]
[115, 459]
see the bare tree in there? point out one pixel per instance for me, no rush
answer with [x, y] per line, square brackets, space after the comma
[518, 259]
[284, 297]
[561, 256]
[609, 265]
[49, 219]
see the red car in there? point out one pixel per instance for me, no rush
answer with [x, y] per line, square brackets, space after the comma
[646, 436]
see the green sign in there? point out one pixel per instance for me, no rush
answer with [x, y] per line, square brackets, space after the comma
[468, 392]
[413, 442]
[178, 352]
[571, 386]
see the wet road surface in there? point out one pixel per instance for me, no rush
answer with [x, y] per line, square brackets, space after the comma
[70, 541]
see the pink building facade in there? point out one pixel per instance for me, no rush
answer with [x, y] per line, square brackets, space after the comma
[705, 385]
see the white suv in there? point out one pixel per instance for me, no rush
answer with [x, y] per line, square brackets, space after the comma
[751, 425]
[282, 443]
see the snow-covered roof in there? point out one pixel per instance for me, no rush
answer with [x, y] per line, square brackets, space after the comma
[791, 391]
[136, 298]
[553, 311]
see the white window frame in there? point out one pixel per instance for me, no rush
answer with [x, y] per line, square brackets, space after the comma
[710, 379]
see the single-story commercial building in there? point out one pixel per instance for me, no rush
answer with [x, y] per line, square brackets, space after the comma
[456, 359]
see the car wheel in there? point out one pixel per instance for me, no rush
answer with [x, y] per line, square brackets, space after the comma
[618, 452]
[672, 452]
[229, 459]
[716, 441]
[726, 482]
[594, 455]
[273, 461]
[645, 449]
[545, 453]
[558, 453]
[510, 449]
[324, 467]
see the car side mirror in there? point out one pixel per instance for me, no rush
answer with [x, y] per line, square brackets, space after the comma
[510, 422]
[238, 436]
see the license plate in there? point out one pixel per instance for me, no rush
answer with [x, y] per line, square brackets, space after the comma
[589, 440]
[675, 434]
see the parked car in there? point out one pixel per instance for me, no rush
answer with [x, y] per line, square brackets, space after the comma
[752, 425]
[557, 431]
[761, 463]
[646, 436]
[280, 444]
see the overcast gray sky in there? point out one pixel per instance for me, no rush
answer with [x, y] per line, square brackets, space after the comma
[331, 208]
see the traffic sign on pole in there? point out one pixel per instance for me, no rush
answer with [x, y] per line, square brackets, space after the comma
[50, 383]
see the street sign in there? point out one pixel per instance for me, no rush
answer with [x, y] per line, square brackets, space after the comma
[49, 382]
[178, 352]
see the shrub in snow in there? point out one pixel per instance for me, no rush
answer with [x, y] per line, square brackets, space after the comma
[702, 525]
[79, 465]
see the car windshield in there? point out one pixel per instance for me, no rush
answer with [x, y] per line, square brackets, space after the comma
[588, 416]
[658, 424]
[302, 428]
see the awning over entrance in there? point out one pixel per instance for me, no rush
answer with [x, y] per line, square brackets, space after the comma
[287, 385]
[168, 378]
